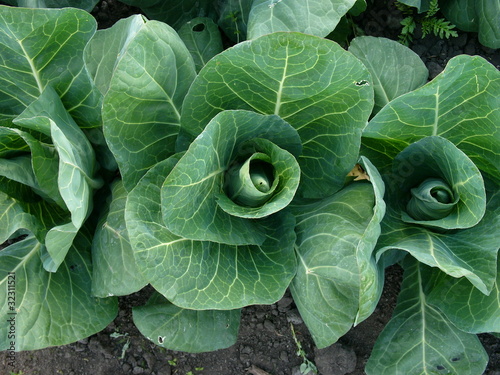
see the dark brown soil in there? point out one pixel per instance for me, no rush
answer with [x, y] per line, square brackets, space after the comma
[265, 344]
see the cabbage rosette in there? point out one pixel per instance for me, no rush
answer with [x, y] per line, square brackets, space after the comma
[269, 130]
[436, 148]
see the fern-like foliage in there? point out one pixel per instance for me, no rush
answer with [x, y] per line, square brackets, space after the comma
[429, 23]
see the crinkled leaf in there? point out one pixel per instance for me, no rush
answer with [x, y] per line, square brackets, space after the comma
[315, 17]
[460, 104]
[202, 274]
[26, 72]
[185, 330]
[114, 269]
[141, 109]
[233, 18]
[174, 12]
[312, 83]
[50, 309]
[464, 305]
[202, 39]
[420, 340]
[194, 204]
[395, 69]
[337, 273]
[75, 178]
[479, 16]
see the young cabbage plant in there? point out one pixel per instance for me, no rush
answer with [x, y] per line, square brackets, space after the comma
[49, 174]
[265, 127]
[441, 171]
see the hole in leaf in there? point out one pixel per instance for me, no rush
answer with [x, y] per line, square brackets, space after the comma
[363, 82]
[439, 367]
[161, 340]
[455, 359]
[198, 28]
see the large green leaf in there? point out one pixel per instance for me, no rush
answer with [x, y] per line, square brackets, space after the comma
[174, 12]
[104, 50]
[75, 177]
[141, 109]
[395, 69]
[194, 203]
[87, 5]
[312, 83]
[464, 305]
[202, 274]
[338, 284]
[49, 309]
[41, 48]
[420, 340]
[479, 16]
[202, 38]
[191, 331]
[315, 17]
[460, 104]
[114, 270]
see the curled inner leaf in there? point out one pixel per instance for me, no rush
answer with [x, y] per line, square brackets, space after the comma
[253, 182]
[432, 199]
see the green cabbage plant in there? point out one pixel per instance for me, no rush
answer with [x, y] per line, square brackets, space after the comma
[437, 149]
[134, 155]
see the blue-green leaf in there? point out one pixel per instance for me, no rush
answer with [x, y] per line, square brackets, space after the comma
[196, 198]
[315, 17]
[114, 270]
[313, 84]
[202, 39]
[75, 179]
[202, 274]
[420, 340]
[26, 71]
[337, 273]
[191, 331]
[395, 69]
[49, 309]
[141, 109]
[460, 104]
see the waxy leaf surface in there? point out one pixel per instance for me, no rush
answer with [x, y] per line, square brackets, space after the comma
[461, 104]
[41, 48]
[313, 84]
[192, 331]
[114, 270]
[315, 17]
[337, 273]
[420, 340]
[202, 274]
[50, 309]
[141, 109]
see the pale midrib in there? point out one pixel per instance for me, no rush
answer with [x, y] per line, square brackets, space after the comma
[422, 308]
[33, 68]
[436, 114]
[280, 89]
